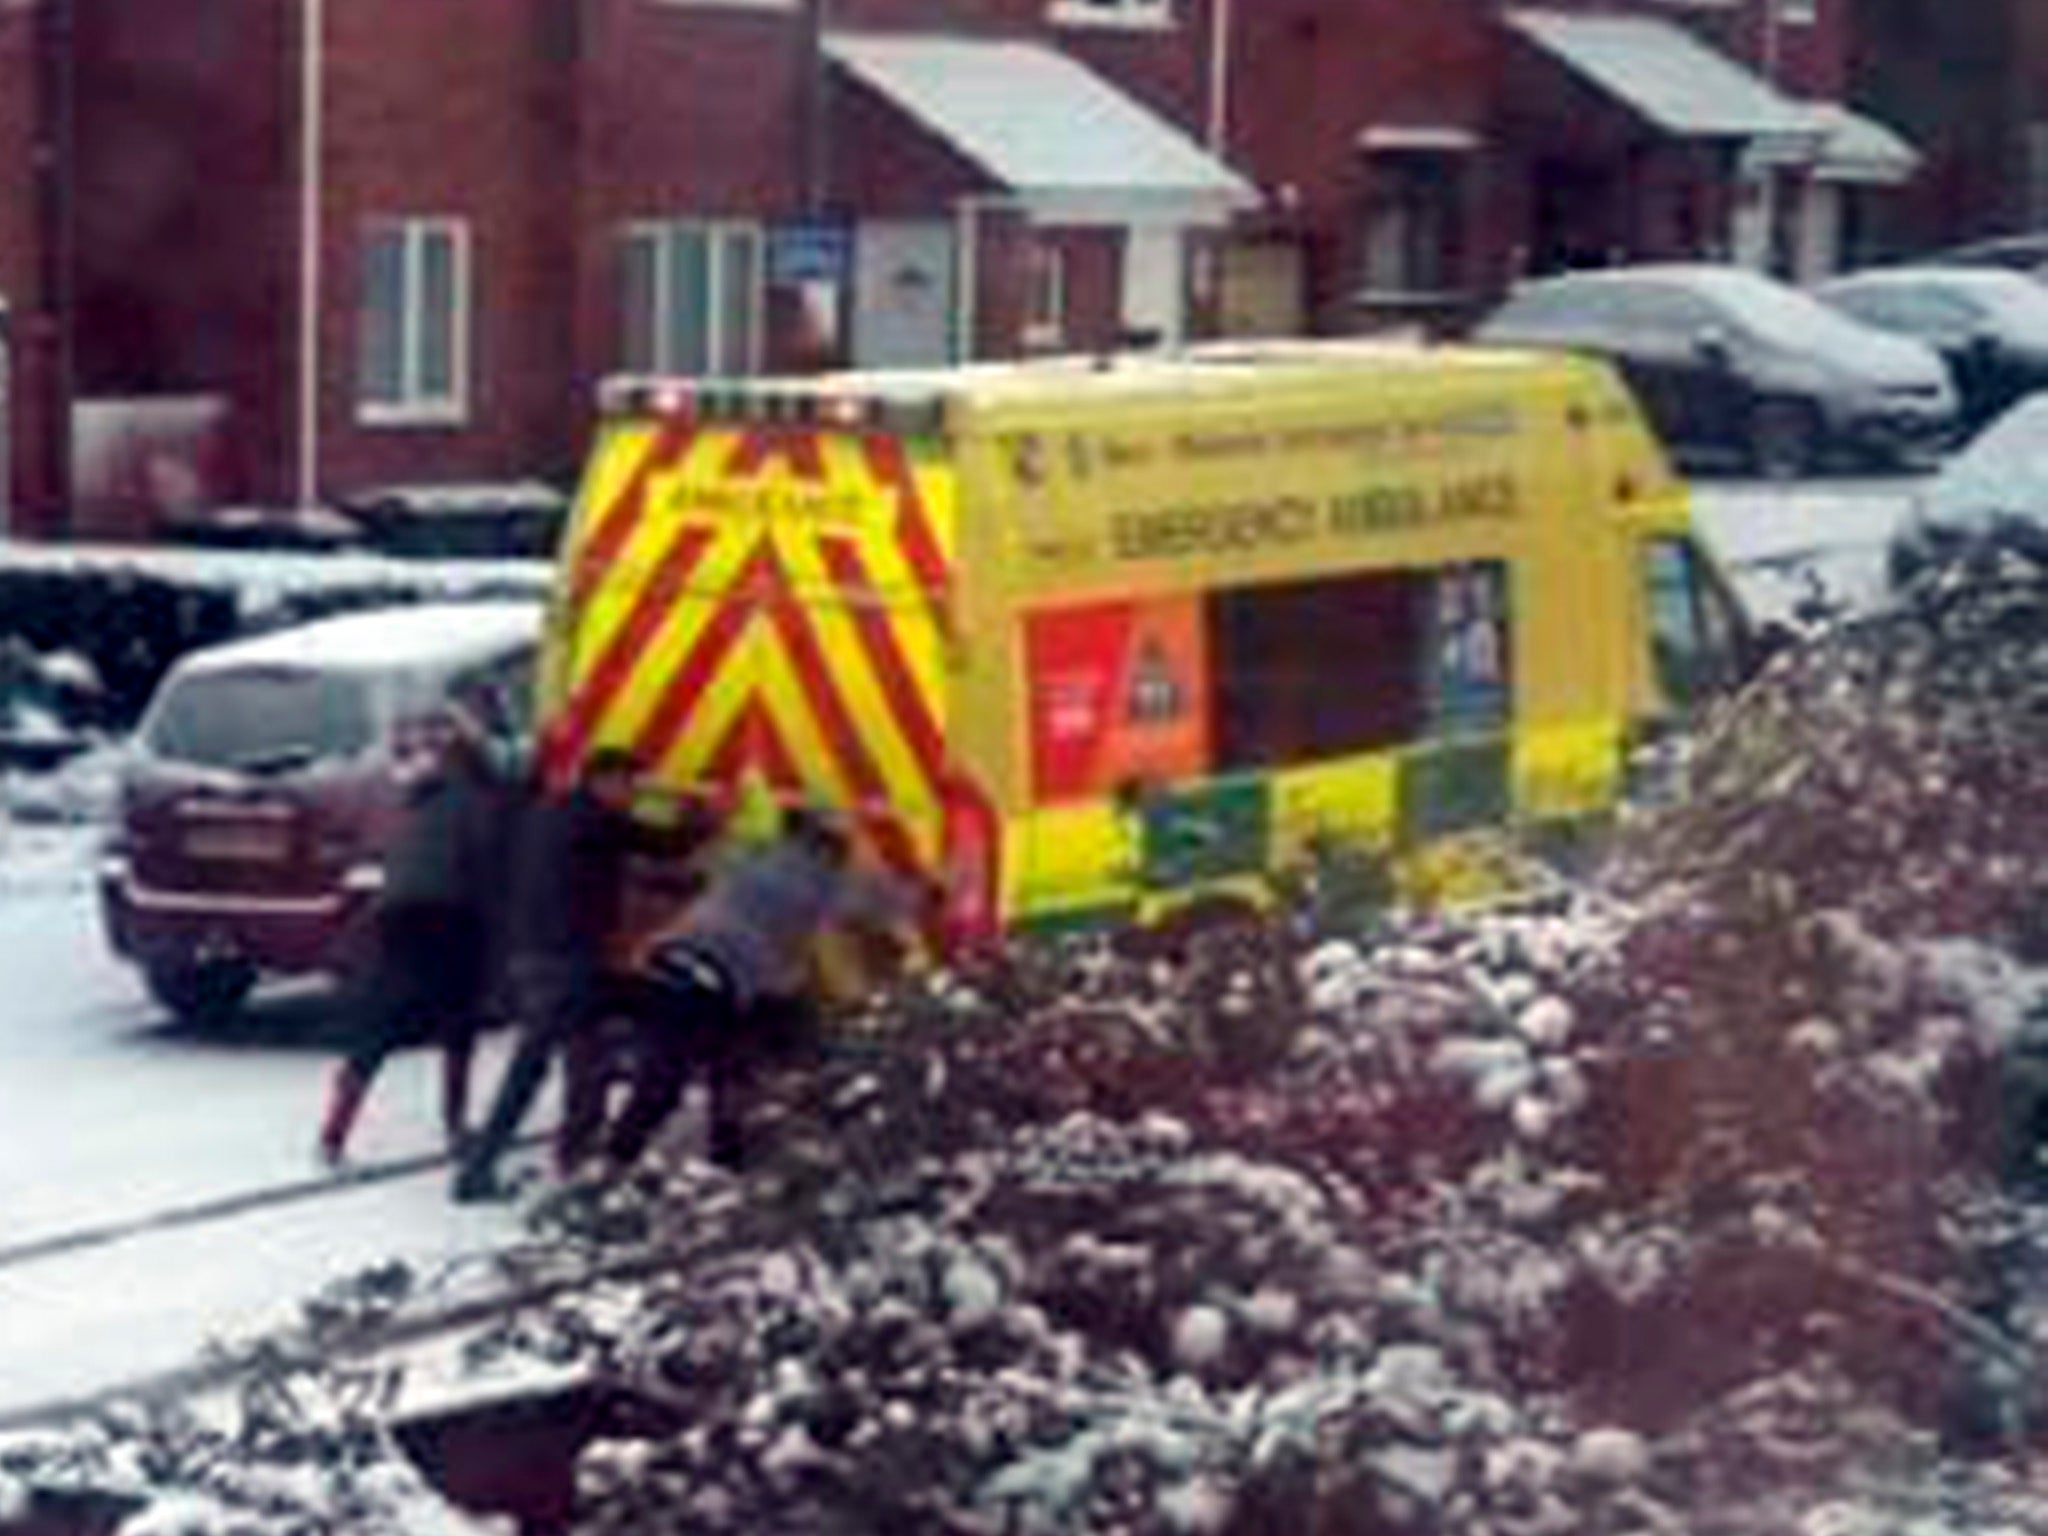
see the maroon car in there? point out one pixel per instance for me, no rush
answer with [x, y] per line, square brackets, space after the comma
[263, 788]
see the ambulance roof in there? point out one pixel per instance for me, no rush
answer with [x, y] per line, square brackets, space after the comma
[907, 397]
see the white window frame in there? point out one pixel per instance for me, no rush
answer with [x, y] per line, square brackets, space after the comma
[1128, 15]
[414, 406]
[1045, 309]
[1797, 13]
[716, 233]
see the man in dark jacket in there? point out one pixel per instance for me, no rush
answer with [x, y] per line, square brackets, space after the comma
[431, 965]
[568, 879]
[737, 963]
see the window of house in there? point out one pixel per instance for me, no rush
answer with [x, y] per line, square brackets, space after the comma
[1798, 13]
[1303, 671]
[1112, 13]
[415, 320]
[1414, 225]
[1045, 316]
[691, 298]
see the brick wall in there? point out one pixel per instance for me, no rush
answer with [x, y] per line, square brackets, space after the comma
[20, 257]
[1311, 74]
[184, 195]
[684, 112]
[407, 135]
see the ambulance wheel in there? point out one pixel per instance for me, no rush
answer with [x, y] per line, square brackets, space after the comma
[206, 994]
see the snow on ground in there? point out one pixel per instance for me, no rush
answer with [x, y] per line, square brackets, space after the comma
[110, 1116]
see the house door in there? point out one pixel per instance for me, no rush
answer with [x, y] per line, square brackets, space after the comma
[1155, 282]
[903, 293]
[1574, 222]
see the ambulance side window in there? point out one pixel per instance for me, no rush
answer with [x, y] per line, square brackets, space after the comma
[1336, 667]
[1694, 635]
[1467, 656]
[1318, 669]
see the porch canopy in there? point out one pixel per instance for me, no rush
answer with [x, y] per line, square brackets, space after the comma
[1070, 146]
[1858, 148]
[1673, 81]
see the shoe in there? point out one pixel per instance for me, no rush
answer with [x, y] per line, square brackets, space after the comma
[480, 1186]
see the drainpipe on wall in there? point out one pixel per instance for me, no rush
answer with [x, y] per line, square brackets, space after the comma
[312, 108]
[1219, 78]
[816, 146]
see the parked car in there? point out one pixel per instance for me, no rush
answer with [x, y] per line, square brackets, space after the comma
[262, 789]
[1990, 326]
[1998, 485]
[1731, 364]
[2023, 253]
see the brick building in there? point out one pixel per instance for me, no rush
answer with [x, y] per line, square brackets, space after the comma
[345, 244]
[1970, 84]
[334, 245]
[1418, 158]
[30, 357]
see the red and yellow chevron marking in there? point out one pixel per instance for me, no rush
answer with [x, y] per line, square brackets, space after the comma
[766, 608]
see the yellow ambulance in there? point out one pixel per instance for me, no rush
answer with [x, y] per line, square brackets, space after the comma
[1100, 636]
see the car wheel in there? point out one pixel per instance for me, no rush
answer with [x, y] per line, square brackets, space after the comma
[1784, 439]
[202, 995]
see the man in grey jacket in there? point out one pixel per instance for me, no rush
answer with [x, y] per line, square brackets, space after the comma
[740, 954]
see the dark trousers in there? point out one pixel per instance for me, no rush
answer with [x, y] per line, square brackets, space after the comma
[688, 1020]
[558, 1001]
[427, 983]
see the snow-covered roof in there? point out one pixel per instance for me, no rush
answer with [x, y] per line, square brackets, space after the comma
[1859, 148]
[428, 635]
[1073, 147]
[1668, 76]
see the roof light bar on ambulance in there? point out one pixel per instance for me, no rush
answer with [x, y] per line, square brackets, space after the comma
[774, 402]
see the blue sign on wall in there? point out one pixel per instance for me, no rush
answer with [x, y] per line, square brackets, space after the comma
[810, 252]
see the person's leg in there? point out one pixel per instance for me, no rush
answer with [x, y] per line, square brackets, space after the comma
[586, 1054]
[669, 1021]
[387, 1009]
[732, 1062]
[460, 1013]
[549, 994]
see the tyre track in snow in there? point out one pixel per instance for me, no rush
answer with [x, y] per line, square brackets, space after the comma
[220, 1208]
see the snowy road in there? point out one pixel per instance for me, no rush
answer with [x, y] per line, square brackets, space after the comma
[107, 1116]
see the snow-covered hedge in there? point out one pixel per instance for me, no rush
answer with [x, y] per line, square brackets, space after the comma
[119, 617]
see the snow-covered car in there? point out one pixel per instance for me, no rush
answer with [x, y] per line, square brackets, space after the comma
[1730, 363]
[260, 793]
[1990, 326]
[2025, 253]
[1997, 486]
